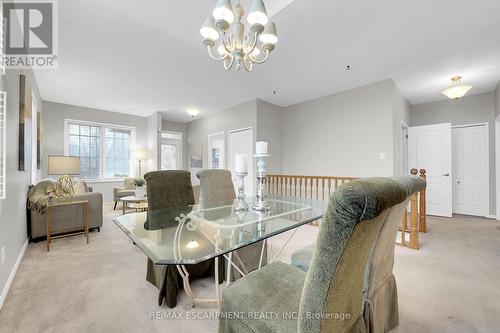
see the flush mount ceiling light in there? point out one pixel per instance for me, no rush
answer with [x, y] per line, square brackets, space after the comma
[456, 90]
[193, 112]
[225, 38]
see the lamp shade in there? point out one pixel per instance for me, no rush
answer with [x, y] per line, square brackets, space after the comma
[141, 154]
[63, 165]
[269, 35]
[224, 11]
[208, 31]
[258, 13]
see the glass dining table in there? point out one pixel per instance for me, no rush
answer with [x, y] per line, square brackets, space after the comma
[192, 234]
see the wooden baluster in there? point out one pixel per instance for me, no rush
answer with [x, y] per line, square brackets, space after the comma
[422, 227]
[336, 184]
[323, 189]
[317, 187]
[404, 227]
[329, 188]
[295, 186]
[289, 185]
[414, 222]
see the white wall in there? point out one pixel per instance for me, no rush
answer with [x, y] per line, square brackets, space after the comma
[341, 134]
[13, 234]
[270, 129]
[467, 110]
[53, 133]
[153, 128]
[239, 116]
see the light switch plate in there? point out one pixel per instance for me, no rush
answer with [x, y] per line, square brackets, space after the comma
[3, 254]
[382, 156]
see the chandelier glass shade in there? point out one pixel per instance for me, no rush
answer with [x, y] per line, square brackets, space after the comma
[456, 90]
[228, 40]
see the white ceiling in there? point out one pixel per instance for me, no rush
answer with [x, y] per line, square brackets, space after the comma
[144, 56]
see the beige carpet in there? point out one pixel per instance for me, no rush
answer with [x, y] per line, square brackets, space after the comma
[450, 285]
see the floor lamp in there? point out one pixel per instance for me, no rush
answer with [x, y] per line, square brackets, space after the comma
[140, 155]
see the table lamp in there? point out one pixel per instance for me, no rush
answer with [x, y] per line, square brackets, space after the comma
[140, 154]
[64, 167]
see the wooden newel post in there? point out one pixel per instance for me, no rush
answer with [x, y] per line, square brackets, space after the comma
[414, 222]
[414, 217]
[422, 226]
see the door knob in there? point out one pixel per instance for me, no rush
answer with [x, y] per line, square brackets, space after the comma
[446, 175]
[458, 181]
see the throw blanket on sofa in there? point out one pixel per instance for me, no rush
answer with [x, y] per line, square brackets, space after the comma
[40, 195]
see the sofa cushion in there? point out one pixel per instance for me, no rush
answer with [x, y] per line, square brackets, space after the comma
[79, 186]
[126, 193]
[266, 300]
[302, 258]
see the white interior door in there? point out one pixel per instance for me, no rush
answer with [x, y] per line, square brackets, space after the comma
[429, 147]
[241, 142]
[470, 170]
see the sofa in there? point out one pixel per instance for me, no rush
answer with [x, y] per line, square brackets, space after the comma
[126, 190]
[69, 218]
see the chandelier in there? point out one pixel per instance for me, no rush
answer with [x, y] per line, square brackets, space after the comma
[457, 90]
[226, 39]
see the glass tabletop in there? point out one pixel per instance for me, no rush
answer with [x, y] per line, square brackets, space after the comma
[192, 234]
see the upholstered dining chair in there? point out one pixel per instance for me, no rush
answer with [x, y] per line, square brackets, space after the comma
[330, 296]
[217, 186]
[172, 189]
[380, 296]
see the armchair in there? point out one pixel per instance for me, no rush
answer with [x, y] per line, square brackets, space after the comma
[126, 190]
[330, 296]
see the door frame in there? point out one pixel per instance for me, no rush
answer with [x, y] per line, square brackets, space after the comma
[209, 150]
[486, 176]
[173, 142]
[402, 142]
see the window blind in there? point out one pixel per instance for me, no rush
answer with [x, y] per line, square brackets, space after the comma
[3, 147]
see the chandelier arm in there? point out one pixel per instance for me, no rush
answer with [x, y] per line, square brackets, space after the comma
[228, 65]
[256, 61]
[225, 40]
[211, 54]
[254, 43]
[248, 64]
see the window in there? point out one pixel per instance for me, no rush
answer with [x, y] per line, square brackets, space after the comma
[3, 147]
[171, 151]
[104, 150]
[117, 153]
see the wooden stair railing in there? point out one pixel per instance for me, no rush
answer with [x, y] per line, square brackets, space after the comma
[418, 217]
[313, 187]
[322, 187]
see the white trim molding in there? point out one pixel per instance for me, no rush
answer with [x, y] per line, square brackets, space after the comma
[497, 165]
[6, 288]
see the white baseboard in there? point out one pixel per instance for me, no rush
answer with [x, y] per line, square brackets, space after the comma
[491, 216]
[5, 290]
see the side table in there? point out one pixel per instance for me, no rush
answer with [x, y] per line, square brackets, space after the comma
[48, 212]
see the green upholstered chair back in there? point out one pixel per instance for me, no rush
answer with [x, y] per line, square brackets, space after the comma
[216, 185]
[167, 189]
[332, 297]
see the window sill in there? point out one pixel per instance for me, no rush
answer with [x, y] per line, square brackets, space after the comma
[97, 181]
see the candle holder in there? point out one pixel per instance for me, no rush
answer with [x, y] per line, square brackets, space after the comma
[241, 204]
[261, 204]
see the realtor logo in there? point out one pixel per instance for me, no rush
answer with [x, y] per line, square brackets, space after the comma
[30, 32]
